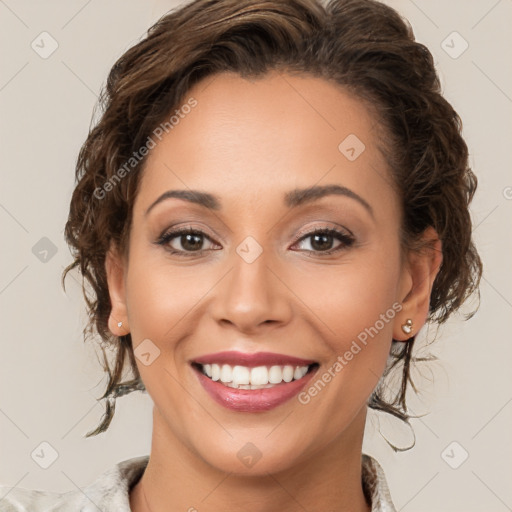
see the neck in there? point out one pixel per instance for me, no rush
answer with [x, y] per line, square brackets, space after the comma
[176, 479]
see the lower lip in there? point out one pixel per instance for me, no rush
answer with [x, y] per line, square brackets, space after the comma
[246, 400]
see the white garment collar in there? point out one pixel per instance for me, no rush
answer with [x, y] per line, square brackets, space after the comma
[110, 491]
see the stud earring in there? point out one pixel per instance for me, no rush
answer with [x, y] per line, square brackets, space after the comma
[407, 327]
[119, 324]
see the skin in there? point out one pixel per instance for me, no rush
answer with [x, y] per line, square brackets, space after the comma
[249, 142]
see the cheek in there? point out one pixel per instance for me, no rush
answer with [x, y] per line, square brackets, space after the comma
[343, 299]
[355, 306]
[160, 296]
[351, 297]
[161, 299]
[341, 302]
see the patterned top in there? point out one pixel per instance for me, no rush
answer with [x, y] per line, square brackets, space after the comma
[110, 491]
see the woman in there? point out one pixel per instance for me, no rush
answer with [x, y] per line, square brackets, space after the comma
[272, 205]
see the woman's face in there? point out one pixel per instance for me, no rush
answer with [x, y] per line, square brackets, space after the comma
[255, 279]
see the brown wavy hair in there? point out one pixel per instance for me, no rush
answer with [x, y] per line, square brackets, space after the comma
[363, 46]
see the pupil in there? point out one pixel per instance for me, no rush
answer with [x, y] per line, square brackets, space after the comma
[324, 245]
[188, 238]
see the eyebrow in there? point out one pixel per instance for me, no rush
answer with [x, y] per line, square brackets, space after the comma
[292, 199]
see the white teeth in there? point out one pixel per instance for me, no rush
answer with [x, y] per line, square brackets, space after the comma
[243, 377]
[259, 375]
[275, 375]
[288, 373]
[299, 372]
[226, 373]
[215, 372]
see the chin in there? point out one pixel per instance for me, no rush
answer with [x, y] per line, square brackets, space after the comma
[249, 460]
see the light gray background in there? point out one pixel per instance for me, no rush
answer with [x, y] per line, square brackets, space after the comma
[49, 380]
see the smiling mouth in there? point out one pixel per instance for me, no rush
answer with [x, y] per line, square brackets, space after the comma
[259, 377]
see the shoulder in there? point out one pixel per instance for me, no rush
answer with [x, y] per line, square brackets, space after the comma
[109, 492]
[375, 485]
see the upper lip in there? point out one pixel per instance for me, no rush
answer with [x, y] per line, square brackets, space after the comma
[234, 358]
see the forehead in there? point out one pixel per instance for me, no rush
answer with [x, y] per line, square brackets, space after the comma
[253, 138]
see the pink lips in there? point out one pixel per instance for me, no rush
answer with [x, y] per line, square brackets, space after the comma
[257, 400]
[251, 360]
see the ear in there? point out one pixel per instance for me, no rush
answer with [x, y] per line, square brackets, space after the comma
[115, 270]
[422, 267]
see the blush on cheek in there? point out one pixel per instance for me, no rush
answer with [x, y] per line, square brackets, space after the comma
[363, 328]
[160, 296]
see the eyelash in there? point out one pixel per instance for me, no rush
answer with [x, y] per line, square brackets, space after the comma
[346, 239]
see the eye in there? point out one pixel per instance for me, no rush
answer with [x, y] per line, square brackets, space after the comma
[187, 241]
[184, 241]
[322, 240]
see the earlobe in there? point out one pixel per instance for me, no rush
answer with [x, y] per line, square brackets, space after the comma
[424, 263]
[114, 268]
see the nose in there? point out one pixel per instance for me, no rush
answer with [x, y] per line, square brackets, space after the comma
[252, 297]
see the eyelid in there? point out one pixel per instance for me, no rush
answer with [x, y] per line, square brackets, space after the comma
[175, 231]
[326, 226]
[176, 228]
[345, 240]
[188, 226]
[343, 235]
